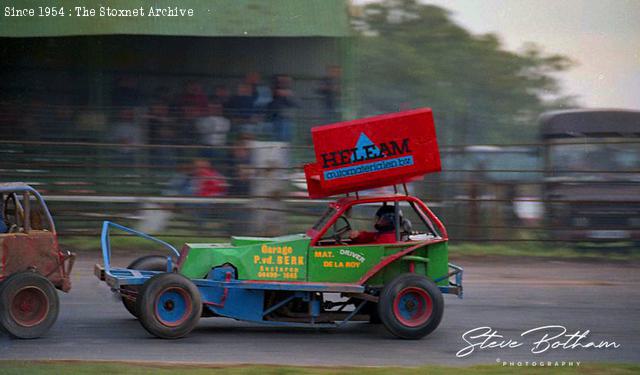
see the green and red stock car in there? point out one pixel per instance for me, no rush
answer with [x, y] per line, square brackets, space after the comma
[325, 277]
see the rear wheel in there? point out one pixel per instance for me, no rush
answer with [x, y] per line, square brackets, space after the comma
[169, 305]
[29, 305]
[145, 263]
[411, 306]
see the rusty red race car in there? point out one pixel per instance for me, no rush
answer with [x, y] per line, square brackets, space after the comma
[32, 264]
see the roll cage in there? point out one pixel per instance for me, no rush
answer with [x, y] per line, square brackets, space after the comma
[9, 193]
[341, 206]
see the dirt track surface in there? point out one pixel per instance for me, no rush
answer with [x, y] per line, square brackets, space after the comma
[508, 296]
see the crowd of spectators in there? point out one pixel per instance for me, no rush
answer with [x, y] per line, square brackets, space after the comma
[197, 116]
[220, 121]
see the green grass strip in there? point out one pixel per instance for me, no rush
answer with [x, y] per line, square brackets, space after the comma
[543, 250]
[138, 368]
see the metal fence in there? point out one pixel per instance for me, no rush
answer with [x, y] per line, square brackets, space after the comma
[87, 182]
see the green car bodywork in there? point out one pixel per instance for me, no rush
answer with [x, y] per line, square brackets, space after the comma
[293, 258]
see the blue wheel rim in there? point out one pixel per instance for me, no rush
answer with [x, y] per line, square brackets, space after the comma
[413, 306]
[173, 306]
[409, 313]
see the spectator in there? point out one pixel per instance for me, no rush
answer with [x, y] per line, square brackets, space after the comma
[194, 104]
[126, 131]
[160, 132]
[155, 217]
[181, 183]
[240, 106]
[260, 92]
[220, 95]
[331, 91]
[280, 110]
[267, 204]
[207, 181]
[241, 110]
[241, 153]
[213, 130]
[157, 121]
[194, 101]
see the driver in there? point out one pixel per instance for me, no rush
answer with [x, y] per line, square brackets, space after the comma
[385, 221]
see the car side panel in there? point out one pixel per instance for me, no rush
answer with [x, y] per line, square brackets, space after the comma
[342, 264]
[36, 249]
[436, 267]
[282, 260]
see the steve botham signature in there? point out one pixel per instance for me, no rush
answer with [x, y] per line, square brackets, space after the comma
[546, 337]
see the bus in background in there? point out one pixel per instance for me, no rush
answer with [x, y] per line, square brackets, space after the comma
[592, 174]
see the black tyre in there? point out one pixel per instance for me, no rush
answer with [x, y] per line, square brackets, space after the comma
[411, 306]
[145, 263]
[169, 305]
[29, 305]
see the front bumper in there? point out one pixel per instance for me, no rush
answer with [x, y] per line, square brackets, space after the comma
[455, 284]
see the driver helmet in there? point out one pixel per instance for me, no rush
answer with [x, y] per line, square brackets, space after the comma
[386, 218]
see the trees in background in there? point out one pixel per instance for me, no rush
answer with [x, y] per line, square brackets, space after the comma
[411, 54]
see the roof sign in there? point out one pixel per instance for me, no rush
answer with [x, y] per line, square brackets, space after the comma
[372, 152]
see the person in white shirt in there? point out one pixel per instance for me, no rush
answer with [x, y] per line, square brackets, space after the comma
[213, 130]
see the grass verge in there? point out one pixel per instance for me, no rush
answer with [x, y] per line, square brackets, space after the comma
[543, 250]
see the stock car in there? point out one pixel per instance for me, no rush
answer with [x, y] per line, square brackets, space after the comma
[325, 277]
[32, 264]
[316, 279]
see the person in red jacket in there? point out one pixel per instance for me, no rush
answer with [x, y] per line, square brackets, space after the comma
[385, 226]
[207, 181]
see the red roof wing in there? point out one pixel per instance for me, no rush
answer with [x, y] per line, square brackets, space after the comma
[372, 152]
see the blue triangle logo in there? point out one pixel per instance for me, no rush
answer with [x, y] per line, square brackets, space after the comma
[369, 153]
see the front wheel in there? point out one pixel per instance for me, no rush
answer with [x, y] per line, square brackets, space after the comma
[169, 306]
[29, 305]
[145, 263]
[411, 306]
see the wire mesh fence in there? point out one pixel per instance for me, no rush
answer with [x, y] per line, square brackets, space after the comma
[481, 196]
